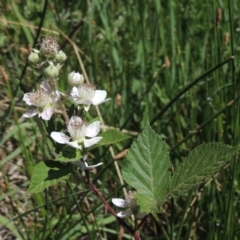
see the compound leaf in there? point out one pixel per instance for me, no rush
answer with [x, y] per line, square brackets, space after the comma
[201, 163]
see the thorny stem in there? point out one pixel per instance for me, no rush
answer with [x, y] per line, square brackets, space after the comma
[141, 223]
[110, 209]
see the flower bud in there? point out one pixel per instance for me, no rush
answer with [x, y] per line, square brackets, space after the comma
[75, 79]
[33, 58]
[60, 57]
[49, 47]
[51, 71]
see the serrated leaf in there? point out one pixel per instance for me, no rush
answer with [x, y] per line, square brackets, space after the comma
[112, 136]
[48, 173]
[201, 162]
[69, 154]
[147, 170]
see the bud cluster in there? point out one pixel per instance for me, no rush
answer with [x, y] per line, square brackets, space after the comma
[48, 59]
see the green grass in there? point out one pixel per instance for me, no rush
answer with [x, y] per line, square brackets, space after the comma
[147, 52]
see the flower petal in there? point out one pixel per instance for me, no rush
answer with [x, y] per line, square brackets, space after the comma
[56, 96]
[125, 213]
[85, 101]
[82, 164]
[93, 129]
[92, 141]
[60, 137]
[119, 202]
[74, 92]
[46, 87]
[106, 100]
[86, 107]
[31, 113]
[77, 98]
[60, 93]
[27, 99]
[74, 145]
[47, 113]
[94, 166]
[99, 97]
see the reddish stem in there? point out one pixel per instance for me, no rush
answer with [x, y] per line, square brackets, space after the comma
[109, 208]
[141, 223]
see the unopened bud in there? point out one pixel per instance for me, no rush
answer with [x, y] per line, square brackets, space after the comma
[51, 71]
[33, 58]
[60, 57]
[75, 79]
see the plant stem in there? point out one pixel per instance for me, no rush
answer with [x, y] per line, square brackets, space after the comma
[110, 209]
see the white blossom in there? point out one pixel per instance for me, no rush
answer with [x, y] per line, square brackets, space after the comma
[86, 94]
[75, 79]
[78, 131]
[43, 99]
[131, 204]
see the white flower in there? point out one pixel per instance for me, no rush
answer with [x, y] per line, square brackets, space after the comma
[78, 130]
[44, 100]
[83, 165]
[87, 94]
[131, 204]
[75, 79]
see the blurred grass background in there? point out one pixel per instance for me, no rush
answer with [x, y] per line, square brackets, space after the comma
[145, 54]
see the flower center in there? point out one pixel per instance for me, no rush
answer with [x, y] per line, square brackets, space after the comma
[86, 91]
[77, 128]
[39, 98]
[132, 203]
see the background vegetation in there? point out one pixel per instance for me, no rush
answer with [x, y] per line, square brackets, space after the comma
[145, 54]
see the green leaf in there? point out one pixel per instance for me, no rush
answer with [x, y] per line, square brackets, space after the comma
[69, 154]
[201, 162]
[48, 173]
[147, 170]
[112, 136]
